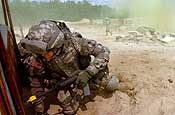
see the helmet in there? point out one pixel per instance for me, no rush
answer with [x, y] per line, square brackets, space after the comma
[43, 37]
[112, 83]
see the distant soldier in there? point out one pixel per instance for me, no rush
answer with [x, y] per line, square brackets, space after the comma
[107, 23]
[57, 53]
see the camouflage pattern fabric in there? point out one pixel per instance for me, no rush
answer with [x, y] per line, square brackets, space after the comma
[66, 59]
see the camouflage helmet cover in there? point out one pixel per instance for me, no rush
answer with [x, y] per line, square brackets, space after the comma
[112, 84]
[43, 36]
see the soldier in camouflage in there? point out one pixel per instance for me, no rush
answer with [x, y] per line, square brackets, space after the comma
[107, 23]
[55, 53]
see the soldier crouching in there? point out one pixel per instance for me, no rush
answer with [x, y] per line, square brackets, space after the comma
[57, 53]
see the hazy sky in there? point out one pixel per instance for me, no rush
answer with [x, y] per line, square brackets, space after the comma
[98, 2]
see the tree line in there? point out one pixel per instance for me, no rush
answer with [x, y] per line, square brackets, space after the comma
[26, 12]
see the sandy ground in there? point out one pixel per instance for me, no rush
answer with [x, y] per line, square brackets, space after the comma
[149, 67]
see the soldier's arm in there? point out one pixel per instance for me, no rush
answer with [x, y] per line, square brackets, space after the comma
[35, 72]
[100, 52]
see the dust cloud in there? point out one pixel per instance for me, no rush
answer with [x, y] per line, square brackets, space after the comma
[156, 13]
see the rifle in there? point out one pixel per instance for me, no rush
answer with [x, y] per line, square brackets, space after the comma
[59, 86]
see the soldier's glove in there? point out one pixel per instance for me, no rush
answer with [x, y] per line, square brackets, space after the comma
[83, 78]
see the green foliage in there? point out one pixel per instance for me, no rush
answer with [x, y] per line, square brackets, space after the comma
[30, 12]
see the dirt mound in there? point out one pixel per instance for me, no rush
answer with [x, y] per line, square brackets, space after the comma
[146, 35]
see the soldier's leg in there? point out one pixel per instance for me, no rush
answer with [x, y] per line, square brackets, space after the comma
[110, 32]
[106, 31]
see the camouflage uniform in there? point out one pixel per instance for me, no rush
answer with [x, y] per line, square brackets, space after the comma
[73, 55]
